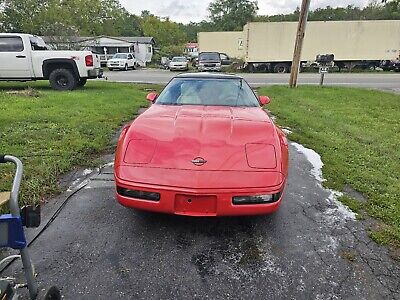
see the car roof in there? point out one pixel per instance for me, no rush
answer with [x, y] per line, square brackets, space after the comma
[16, 34]
[208, 75]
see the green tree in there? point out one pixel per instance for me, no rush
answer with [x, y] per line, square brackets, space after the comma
[67, 17]
[192, 29]
[165, 32]
[229, 15]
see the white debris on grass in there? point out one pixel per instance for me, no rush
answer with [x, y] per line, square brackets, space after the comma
[339, 212]
[315, 160]
[335, 215]
[287, 130]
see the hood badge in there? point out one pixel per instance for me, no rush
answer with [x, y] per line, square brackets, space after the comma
[199, 161]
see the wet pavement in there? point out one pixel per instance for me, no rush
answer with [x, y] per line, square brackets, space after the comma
[312, 248]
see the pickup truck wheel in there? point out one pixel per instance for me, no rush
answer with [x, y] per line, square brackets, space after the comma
[63, 80]
[82, 82]
[126, 68]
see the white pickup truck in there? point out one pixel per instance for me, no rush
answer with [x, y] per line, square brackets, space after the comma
[25, 57]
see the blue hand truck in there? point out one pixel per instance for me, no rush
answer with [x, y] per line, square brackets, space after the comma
[12, 236]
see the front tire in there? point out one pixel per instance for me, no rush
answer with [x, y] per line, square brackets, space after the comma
[126, 67]
[63, 80]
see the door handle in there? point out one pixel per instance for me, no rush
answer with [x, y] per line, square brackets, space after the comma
[20, 56]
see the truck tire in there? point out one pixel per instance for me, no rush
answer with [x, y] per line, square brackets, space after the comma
[63, 80]
[282, 68]
[251, 68]
[263, 68]
[82, 82]
[126, 67]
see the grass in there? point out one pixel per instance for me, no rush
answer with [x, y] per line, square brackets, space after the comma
[54, 131]
[357, 134]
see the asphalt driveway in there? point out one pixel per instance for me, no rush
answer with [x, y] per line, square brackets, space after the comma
[312, 248]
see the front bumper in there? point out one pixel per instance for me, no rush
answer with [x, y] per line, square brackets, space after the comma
[178, 68]
[209, 69]
[95, 73]
[198, 203]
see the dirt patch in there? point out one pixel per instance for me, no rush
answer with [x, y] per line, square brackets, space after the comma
[29, 92]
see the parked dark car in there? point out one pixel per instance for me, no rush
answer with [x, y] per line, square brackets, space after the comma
[209, 61]
[226, 61]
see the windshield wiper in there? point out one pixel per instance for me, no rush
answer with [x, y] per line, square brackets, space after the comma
[175, 104]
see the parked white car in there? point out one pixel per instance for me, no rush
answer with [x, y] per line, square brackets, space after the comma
[179, 63]
[25, 57]
[122, 61]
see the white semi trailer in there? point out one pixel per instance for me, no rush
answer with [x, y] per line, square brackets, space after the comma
[268, 46]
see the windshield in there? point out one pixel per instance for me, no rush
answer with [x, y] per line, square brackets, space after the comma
[179, 59]
[208, 91]
[209, 56]
[120, 56]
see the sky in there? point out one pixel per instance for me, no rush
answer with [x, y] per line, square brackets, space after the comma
[186, 11]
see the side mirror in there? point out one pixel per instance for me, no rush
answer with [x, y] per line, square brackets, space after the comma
[264, 100]
[152, 97]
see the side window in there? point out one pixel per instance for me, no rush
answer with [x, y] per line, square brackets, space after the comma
[224, 56]
[11, 44]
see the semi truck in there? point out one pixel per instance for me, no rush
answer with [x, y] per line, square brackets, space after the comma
[268, 46]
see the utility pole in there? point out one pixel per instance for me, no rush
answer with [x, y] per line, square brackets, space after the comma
[305, 7]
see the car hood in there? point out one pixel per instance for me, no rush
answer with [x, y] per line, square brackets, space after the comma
[227, 138]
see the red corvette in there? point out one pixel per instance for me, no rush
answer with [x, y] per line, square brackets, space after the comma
[205, 147]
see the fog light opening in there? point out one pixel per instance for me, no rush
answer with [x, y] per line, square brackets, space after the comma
[256, 199]
[136, 194]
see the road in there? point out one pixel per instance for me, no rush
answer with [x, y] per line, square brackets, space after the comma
[312, 248]
[383, 81]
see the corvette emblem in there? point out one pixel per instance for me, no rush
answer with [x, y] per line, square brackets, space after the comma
[199, 161]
